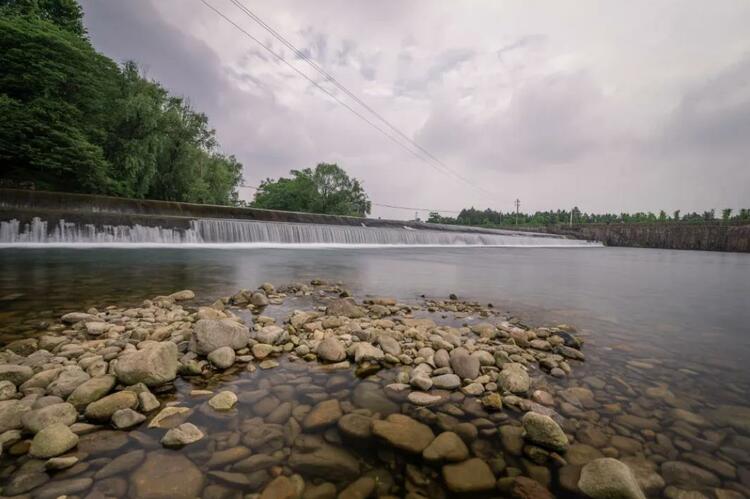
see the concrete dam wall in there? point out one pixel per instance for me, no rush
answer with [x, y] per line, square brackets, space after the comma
[36, 217]
[708, 236]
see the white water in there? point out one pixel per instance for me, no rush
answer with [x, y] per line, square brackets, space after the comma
[238, 233]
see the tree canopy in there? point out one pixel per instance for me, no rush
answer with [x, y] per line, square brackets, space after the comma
[74, 120]
[326, 189]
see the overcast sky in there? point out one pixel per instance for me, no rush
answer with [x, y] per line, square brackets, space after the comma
[610, 106]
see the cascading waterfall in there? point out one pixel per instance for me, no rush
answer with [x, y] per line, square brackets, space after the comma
[223, 231]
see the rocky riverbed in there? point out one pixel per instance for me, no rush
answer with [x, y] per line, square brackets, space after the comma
[306, 392]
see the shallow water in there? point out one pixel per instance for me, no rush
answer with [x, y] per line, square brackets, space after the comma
[669, 321]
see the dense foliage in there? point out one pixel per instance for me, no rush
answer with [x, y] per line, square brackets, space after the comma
[327, 189]
[491, 218]
[74, 120]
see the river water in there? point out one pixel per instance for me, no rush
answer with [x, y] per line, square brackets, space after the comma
[651, 318]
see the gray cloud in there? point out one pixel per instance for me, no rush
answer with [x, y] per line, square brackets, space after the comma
[590, 107]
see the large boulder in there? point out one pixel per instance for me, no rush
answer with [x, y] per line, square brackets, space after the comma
[472, 475]
[312, 456]
[166, 475]
[345, 307]
[404, 433]
[543, 431]
[608, 478]
[153, 365]
[463, 364]
[331, 350]
[514, 378]
[38, 419]
[91, 391]
[103, 409]
[208, 335]
[52, 441]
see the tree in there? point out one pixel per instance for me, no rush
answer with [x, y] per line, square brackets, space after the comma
[726, 214]
[327, 189]
[676, 216]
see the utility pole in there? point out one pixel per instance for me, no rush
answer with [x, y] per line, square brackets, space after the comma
[518, 206]
[571, 218]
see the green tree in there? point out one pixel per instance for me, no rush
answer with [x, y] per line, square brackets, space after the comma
[676, 215]
[726, 214]
[326, 189]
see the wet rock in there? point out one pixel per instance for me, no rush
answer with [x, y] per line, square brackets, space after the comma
[673, 492]
[121, 464]
[423, 398]
[179, 436]
[633, 421]
[331, 350]
[22, 482]
[103, 409]
[227, 456]
[148, 402]
[512, 439]
[91, 391]
[687, 476]
[447, 446]
[280, 487]
[222, 357]
[261, 350]
[446, 381]
[60, 463]
[473, 475]
[735, 416]
[356, 426]
[492, 401]
[526, 488]
[169, 417]
[73, 317]
[271, 335]
[389, 345]
[514, 378]
[166, 475]
[345, 307]
[124, 419]
[7, 390]
[102, 441]
[646, 475]
[324, 414]
[581, 454]
[259, 299]
[223, 401]
[608, 478]
[463, 364]
[255, 463]
[403, 433]
[312, 456]
[52, 441]
[325, 490]
[542, 430]
[361, 488]
[153, 365]
[208, 335]
[365, 352]
[63, 488]
[36, 420]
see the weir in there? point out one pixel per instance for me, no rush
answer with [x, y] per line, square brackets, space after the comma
[34, 218]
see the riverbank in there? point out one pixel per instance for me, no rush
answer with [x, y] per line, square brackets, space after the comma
[305, 391]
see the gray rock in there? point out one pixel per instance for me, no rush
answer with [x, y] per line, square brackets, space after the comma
[63, 488]
[52, 441]
[186, 433]
[41, 379]
[91, 390]
[345, 307]
[123, 419]
[446, 381]
[154, 365]
[442, 358]
[423, 398]
[514, 378]
[121, 464]
[222, 357]
[608, 478]
[463, 364]
[103, 409]
[11, 412]
[23, 482]
[687, 476]
[259, 299]
[543, 431]
[472, 475]
[223, 401]
[36, 420]
[7, 390]
[67, 381]
[355, 426]
[148, 402]
[271, 335]
[331, 350]
[60, 463]
[208, 335]
[73, 317]
[389, 345]
[364, 351]
[370, 396]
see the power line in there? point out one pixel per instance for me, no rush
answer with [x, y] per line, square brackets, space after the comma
[353, 96]
[442, 169]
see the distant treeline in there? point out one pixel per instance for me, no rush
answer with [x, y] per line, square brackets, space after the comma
[73, 120]
[492, 218]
